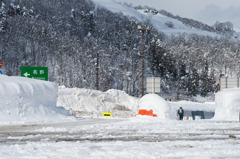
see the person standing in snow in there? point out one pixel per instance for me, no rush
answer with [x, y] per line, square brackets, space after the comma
[180, 113]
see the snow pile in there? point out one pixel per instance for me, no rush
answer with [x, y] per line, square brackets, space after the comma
[157, 104]
[227, 104]
[28, 100]
[86, 102]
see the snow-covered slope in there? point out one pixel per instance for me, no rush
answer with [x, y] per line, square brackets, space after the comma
[158, 20]
[25, 100]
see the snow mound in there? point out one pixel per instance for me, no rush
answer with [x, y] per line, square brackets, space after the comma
[227, 104]
[157, 104]
[86, 102]
[28, 100]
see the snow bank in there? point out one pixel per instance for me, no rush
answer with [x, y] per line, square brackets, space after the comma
[155, 103]
[227, 104]
[92, 103]
[193, 106]
[28, 100]
[86, 102]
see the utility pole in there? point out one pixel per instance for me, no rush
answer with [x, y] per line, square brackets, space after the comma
[97, 70]
[143, 31]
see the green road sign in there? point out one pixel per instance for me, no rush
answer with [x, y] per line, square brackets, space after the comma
[40, 73]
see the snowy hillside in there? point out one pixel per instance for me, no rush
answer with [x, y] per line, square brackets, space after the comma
[69, 44]
[159, 21]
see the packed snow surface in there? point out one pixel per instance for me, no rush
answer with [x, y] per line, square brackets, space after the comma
[228, 104]
[134, 138]
[25, 100]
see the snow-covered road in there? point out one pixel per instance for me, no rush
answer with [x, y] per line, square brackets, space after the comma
[122, 138]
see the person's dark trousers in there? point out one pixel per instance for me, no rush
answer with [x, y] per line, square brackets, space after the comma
[181, 117]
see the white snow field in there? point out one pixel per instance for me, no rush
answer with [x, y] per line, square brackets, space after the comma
[33, 127]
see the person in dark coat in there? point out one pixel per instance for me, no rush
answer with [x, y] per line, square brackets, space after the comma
[180, 113]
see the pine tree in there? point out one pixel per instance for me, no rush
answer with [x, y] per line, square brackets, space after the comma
[3, 18]
[193, 82]
[182, 84]
[205, 79]
[11, 9]
[156, 58]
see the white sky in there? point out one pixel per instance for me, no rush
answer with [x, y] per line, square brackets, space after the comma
[224, 10]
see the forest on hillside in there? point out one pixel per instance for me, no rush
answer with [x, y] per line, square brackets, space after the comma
[70, 38]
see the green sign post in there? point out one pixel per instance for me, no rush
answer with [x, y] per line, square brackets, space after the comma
[40, 73]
